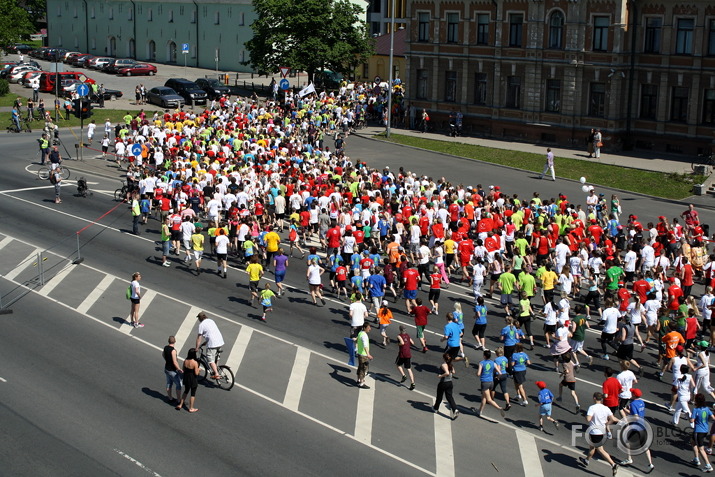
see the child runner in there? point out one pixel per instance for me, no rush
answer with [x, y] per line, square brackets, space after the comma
[639, 427]
[546, 397]
[266, 297]
[385, 316]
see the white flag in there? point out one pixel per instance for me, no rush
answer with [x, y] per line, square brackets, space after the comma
[307, 90]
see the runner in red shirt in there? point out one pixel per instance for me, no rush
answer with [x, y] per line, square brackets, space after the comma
[686, 277]
[611, 389]
[420, 313]
[641, 287]
[411, 279]
[434, 289]
[466, 250]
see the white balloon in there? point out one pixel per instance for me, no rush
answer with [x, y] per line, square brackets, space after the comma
[583, 180]
[585, 189]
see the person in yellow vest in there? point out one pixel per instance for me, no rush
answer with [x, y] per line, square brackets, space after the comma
[136, 213]
[165, 242]
[363, 355]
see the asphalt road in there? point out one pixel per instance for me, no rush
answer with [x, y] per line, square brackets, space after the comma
[94, 376]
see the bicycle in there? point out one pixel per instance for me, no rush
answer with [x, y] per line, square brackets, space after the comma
[24, 126]
[703, 160]
[44, 172]
[121, 193]
[226, 378]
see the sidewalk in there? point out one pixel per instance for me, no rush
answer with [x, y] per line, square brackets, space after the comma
[634, 159]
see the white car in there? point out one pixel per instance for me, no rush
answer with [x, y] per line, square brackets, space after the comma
[19, 73]
[32, 82]
[26, 80]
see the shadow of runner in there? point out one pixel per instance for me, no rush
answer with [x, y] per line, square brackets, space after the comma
[338, 373]
[566, 460]
[157, 395]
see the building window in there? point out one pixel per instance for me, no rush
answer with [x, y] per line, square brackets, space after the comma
[75, 12]
[452, 27]
[193, 16]
[556, 30]
[131, 14]
[93, 43]
[422, 80]
[597, 100]
[513, 92]
[649, 101]
[91, 13]
[480, 88]
[450, 86]
[242, 19]
[423, 27]
[171, 16]
[553, 95]
[709, 107]
[711, 37]
[516, 29]
[111, 13]
[684, 36]
[181, 10]
[150, 15]
[217, 18]
[483, 29]
[653, 27]
[679, 104]
[600, 33]
[59, 10]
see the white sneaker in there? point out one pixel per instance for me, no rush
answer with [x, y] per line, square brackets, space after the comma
[166, 264]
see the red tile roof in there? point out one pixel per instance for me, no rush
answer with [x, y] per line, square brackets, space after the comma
[382, 44]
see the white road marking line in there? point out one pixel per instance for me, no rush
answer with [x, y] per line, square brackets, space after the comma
[234, 358]
[26, 189]
[56, 280]
[146, 299]
[30, 260]
[3, 380]
[5, 241]
[443, 448]
[136, 462]
[364, 414]
[297, 379]
[530, 459]
[187, 325]
[94, 295]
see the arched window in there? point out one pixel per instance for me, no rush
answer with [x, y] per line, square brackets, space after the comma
[556, 30]
[151, 51]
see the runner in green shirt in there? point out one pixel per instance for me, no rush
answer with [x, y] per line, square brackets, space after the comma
[613, 275]
[506, 283]
[579, 325]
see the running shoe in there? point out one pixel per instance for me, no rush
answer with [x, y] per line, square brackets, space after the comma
[628, 461]
[166, 264]
[584, 461]
[412, 386]
[404, 378]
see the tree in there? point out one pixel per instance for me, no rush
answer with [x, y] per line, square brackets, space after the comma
[308, 35]
[15, 23]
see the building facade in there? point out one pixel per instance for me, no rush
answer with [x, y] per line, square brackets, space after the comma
[155, 31]
[550, 70]
[379, 16]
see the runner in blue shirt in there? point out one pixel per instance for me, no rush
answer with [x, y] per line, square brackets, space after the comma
[500, 379]
[638, 429]
[519, 362]
[453, 337]
[480, 322]
[546, 397]
[510, 335]
[700, 420]
[376, 284]
[485, 371]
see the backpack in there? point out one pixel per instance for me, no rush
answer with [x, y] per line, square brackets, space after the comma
[129, 292]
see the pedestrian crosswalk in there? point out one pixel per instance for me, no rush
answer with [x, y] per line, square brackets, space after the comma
[309, 382]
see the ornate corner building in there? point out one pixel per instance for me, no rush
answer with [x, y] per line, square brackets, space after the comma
[550, 70]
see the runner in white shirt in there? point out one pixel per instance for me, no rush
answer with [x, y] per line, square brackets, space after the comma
[598, 417]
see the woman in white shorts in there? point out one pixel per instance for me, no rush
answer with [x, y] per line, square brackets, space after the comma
[702, 370]
[651, 308]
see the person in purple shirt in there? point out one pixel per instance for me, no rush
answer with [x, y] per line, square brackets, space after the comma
[280, 265]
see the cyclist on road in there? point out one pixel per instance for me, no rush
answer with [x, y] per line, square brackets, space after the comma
[209, 335]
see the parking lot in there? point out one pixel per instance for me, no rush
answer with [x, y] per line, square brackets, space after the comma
[127, 84]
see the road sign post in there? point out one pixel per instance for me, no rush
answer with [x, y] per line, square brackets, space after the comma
[82, 91]
[185, 52]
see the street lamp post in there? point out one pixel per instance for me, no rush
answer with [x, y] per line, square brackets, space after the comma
[389, 85]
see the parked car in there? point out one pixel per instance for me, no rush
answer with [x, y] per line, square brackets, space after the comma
[164, 97]
[188, 90]
[98, 62]
[19, 48]
[213, 87]
[117, 64]
[70, 56]
[109, 94]
[138, 69]
[17, 73]
[24, 81]
[80, 60]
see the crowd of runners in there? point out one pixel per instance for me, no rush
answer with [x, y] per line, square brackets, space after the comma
[261, 185]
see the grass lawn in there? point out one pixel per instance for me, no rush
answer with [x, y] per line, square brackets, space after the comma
[100, 116]
[659, 184]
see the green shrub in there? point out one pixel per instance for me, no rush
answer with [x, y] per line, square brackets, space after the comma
[4, 87]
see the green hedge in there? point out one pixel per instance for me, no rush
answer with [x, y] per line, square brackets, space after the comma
[4, 87]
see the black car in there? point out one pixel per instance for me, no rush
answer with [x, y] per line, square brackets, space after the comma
[19, 48]
[164, 97]
[109, 94]
[188, 90]
[213, 87]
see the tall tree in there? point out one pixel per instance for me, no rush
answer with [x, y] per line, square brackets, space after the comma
[15, 23]
[308, 35]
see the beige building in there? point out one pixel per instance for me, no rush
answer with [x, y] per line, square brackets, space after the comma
[551, 70]
[378, 65]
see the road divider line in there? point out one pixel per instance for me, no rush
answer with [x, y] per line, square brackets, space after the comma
[297, 379]
[238, 351]
[56, 280]
[187, 325]
[443, 447]
[146, 300]
[5, 241]
[94, 295]
[530, 459]
[364, 414]
[136, 462]
[30, 260]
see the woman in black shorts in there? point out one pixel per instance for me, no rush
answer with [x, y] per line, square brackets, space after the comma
[191, 370]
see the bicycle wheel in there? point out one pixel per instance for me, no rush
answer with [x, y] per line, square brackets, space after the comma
[203, 370]
[65, 173]
[43, 173]
[227, 379]
[119, 194]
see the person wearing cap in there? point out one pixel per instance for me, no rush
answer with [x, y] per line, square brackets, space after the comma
[210, 336]
[385, 316]
[544, 402]
[549, 165]
[702, 369]
[637, 429]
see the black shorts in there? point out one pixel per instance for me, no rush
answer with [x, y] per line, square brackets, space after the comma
[253, 286]
[341, 283]
[501, 381]
[597, 440]
[549, 328]
[176, 235]
[433, 294]
[221, 256]
[519, 377]
[453, 352]
[625, 352]
[405, 362]
[487, 386]
[700, 438]
[623, 403]
[571, 385]
[478, 330]
[135, 301]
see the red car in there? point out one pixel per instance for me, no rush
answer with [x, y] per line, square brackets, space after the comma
[138, 69]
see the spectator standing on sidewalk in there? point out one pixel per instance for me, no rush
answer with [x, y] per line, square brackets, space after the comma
[135, 297]
[549, 165]
[597, 143]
